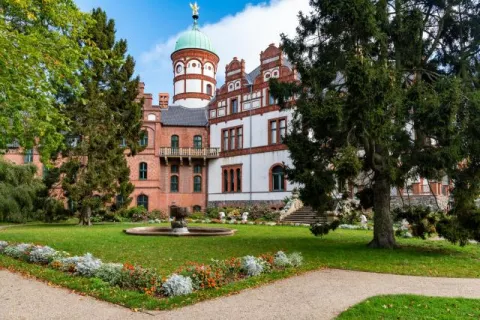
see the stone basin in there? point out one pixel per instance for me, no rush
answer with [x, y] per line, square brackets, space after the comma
[192, 232]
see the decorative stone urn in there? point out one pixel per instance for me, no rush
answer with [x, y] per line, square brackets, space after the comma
[179, 225]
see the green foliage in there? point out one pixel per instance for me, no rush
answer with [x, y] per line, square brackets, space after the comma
[43, 48]
[106, 113]
[263, 213]
[19, 190]
[375, 72]
[212, 212]
[322, 229]
[460, 228]
[422, 220]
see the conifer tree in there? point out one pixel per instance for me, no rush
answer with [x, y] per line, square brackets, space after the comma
[379, 97]
[108, 112]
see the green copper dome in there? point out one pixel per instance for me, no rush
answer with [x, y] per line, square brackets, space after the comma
[194, 39]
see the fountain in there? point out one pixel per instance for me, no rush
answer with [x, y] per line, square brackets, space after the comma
[179, 227]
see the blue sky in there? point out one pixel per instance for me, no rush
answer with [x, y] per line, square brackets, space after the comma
[240, 28]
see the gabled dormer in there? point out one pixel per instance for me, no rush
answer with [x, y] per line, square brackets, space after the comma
[234, 74]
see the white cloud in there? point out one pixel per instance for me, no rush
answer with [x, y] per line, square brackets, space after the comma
[243, 35]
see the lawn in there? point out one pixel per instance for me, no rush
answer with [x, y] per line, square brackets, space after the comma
[404, 307]
[344, 249]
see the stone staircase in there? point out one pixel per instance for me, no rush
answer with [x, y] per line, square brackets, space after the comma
[304, 215]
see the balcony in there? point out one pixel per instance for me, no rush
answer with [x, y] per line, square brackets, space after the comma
[189, 153]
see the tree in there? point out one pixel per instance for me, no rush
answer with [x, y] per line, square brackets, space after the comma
[379, 96]
[40, 50]
[95, 169]
[19, 189]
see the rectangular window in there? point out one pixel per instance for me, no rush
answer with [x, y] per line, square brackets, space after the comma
[197, 169]
[225, 140]
[277, 130]
[273, 132]
[232, 138]
[240, 138]
[282, 129]
[234, 106]
[28, 158]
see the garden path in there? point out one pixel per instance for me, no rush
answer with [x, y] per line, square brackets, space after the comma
[315, 295]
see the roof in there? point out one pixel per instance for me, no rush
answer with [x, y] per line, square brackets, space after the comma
[184, 117]
[194, 39]
[256, 72]
[252, 75]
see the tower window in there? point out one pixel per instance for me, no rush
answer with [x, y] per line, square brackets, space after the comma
[144, 138]
[174, 184]
[209, 89]
[142, 171]
[179, 68]
[197, 184]
[197, 142]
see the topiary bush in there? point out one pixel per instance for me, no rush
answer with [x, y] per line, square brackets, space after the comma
[321, 229]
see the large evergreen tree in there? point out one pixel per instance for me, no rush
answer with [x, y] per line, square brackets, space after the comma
[379, 96]
[96, 169]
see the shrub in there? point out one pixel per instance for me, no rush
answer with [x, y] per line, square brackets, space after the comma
[252, 266]
[54, 210]
[422, 220]
[177, 285]
[3, 245]
[263, 213]
[158, 214]
[17, 251]
[321, 229]
[296, 259]
[139, 279]
[43, 255]
[85, 265]
[281, 260]
[110, 272]
[197, 216]
[212, 213]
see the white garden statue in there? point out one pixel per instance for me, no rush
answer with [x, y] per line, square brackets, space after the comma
[221, 215]
[363, 220]
[244, 217]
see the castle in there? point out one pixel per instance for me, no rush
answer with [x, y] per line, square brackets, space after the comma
[216, 146]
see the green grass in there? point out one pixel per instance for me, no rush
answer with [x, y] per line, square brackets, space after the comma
[408, 307]
[342, 249]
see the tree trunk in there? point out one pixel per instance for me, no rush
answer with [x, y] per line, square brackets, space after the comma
[383, 236]
[85, 215]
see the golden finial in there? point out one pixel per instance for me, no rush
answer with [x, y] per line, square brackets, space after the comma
[195, 8]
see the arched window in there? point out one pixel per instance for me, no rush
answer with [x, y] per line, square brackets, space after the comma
[197, 208]
[197, 142]
[239, 180]
[209, 89]
[142, 172]
[197, 184]
[175, 142]
[225, 180]
[144, 138]
[142, 200]
[278, 178]
[174, 184]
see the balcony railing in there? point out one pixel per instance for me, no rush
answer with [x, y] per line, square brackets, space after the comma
[205, 153]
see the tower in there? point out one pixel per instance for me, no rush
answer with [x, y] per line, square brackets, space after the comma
[194, 64]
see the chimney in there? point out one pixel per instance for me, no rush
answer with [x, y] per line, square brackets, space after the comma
[163, 100]
[141, 88]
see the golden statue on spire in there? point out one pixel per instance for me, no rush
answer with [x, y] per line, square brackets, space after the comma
[195, 8]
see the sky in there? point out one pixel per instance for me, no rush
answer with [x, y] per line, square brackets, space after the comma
[236, 28]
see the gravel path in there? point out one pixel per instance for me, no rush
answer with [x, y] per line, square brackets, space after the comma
[315, 295]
